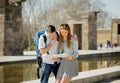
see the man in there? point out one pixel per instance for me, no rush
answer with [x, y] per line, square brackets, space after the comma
[47, 50]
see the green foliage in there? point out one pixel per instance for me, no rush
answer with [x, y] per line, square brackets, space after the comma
[26, 45]
[32, 46]
[25, 42]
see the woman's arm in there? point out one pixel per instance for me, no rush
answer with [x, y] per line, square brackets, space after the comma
[57, 56]
[75, 49]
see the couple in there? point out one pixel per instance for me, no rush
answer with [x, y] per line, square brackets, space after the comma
[64, 65]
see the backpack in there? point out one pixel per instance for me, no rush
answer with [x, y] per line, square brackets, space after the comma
[36, 43]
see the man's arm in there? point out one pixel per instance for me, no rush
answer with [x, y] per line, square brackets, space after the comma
[46, 49]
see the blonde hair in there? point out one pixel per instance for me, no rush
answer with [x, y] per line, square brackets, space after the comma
[65, 27]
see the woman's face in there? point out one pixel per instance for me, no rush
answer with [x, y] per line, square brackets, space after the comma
[64, 32]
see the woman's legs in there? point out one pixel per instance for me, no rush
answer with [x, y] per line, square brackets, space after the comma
[58, 80]
[65, 80]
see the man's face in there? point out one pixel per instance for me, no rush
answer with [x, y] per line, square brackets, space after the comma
[52, 35]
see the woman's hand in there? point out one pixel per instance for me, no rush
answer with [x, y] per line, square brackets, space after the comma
[54, 58]
[69, 57]
[74, 57]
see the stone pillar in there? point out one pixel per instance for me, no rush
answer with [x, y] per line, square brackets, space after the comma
[2, 25]
[12, 28]
[89, 32]
[115, 31]
[92, 32]
[86, 29]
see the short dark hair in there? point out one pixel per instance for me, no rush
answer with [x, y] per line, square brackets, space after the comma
[51, 29]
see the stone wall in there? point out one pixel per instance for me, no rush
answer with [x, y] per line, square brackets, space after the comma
[109, 34]
[103, 36]
[11, 27]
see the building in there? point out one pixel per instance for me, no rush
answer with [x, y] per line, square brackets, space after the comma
[112, 34]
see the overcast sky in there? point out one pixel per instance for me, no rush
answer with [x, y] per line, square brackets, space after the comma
[113, 6]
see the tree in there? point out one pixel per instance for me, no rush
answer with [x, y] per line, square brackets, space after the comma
[58, 13]
[29, 30]
[104, 16]
[39, 13]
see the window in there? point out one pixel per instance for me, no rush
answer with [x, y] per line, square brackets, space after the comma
[118, 28]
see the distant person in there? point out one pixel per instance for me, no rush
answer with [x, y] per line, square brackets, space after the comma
[108, 44]
[105, 45]
[47, 50]
[101, 45]
[111, 45]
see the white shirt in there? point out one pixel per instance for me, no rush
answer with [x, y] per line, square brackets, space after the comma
[53, 50]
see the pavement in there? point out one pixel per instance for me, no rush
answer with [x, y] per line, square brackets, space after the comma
[113, 80]
[14, 59]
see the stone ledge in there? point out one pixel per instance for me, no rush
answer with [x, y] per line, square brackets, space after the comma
[89, 76]
[96, 75]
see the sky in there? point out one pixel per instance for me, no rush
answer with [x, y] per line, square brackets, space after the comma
[113, 6]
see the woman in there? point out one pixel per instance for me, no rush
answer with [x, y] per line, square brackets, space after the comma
[67, 45]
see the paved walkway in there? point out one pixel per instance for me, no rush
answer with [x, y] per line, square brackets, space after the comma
[12, 59]
[113, 80]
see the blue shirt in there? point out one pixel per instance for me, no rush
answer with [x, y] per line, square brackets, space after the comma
[72, 51]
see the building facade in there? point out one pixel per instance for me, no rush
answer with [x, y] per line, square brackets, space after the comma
[112, 34]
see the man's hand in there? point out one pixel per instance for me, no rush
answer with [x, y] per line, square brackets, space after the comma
[53, 41]
[45, 50]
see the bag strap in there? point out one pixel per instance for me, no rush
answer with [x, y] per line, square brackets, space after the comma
[45, 41]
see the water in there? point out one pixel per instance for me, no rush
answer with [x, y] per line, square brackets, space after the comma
[16, 73]
[97, 63]
[19, 72]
